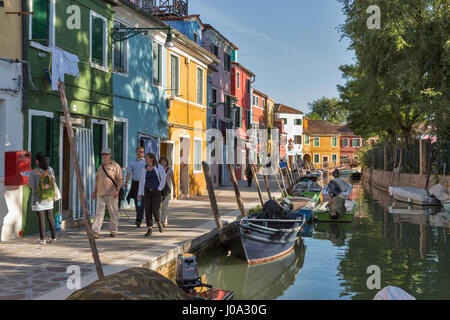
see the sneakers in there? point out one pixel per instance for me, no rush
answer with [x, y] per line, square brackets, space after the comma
[149, 233]
[52, 241]
[96, 235]
[39, 241]
[160, 227]
[138, 224]
[113, 234]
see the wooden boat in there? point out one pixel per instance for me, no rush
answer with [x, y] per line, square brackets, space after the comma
[345, 187]
[307, 189]
[321, 212]
[414, 196]
[261, 240]
[303, 206]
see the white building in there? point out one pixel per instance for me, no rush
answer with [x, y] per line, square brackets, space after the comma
[293, 126]
[11, 139]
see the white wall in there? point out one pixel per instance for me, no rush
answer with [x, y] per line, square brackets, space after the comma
[293, 130]
[11, 138]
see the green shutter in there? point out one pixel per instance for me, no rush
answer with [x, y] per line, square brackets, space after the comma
[39, 21]
[97, 40]
[98, 143]
[118, 142]
[39, 135]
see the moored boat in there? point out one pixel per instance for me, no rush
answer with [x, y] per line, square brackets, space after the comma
[413, 195]
[261, 240]
[345, 189]
[322, 214]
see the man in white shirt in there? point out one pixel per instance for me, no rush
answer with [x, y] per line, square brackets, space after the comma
[134, 171]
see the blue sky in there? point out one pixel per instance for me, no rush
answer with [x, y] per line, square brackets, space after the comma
[292, 46]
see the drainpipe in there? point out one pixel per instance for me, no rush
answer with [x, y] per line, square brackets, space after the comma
[25, 66]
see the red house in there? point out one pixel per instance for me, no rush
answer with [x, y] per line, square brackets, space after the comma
[241, 80]
[350, 143]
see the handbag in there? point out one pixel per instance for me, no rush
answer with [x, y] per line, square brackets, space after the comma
[166, 190]
[121, 192]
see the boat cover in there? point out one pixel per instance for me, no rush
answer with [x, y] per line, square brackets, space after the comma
[307, 186]
[349, 205]
[438, 191]
[415, 195]
[393, 293]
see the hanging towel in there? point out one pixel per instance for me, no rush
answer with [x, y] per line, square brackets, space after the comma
[63, 63]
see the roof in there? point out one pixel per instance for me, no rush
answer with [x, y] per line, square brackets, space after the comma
[322, 127]
[210, 27]
[345, 130]
[281, 108]
[185, 18]
[260, 93]
[240, 66]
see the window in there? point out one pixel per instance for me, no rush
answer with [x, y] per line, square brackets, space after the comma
[257, 101]
[214, 100]
[253, 100]
[298, 139]
[40, 21]
[316, 158]
[238, 117]
[196, 37]
[284, 121]
[334, 142]
[263, 102]
[334, 157]
[298, 122]
[174, 75]
[248, 122]
[227, 62]
[98, 40]
[316, 141]
[228, 107]
[157, 63]
[248, 85]
[355, 142]
[238, 80]
[120, 142]
[307, 140]
[200, 86]
[345, 142]
[215, 50]
[197, 155]
[120, 52]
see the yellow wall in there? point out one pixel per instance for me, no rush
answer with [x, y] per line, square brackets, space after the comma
[324, 149]
[11, 30]
[184, 115]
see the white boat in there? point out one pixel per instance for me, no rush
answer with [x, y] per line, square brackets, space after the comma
[413, 195]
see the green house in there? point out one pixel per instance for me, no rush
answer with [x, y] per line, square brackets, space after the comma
[82, 28]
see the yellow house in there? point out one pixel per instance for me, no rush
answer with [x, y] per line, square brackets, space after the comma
[11, 26]
[270, 121]
[187, 71]
[321, 143]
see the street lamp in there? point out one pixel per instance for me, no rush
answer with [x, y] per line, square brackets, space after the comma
[121, 34]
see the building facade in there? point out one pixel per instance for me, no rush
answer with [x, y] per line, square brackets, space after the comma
[11, 116]
[321, 143]
[350, 144]
[293, 126]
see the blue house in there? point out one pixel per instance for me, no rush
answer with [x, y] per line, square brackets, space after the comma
[140, 98]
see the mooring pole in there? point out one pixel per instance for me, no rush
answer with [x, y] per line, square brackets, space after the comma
[213, 201]
[236, 190]
[279, 186]
[282, 179]
[82, 194]
[257, 184]
[267, 187]
[286, 174]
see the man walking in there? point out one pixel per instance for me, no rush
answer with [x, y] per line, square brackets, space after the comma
[108, 182]
[134, 171]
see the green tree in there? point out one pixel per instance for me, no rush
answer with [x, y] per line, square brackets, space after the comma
[400, 77]
[327, 109]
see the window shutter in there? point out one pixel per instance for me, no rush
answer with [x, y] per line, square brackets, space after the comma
[39, 136]
[97, 40]
[118, 142]
[39, 22]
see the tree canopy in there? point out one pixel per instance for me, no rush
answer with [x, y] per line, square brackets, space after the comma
[327, 109]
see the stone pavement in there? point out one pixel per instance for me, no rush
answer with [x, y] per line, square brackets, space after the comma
[29, 271]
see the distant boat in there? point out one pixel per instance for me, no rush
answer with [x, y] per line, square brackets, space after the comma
[260, 240]
[322, 214]
[414, 196]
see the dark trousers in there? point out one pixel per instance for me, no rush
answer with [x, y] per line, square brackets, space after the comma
[41, 220]
[152, 205]
[133, 195]
[249, 180]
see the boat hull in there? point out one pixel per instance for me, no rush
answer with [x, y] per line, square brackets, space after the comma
[413, 195]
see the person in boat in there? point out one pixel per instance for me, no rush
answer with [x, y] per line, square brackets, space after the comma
[151, 184]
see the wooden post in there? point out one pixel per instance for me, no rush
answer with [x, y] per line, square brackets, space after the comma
[236, 190]
[82, 194]
[213, 201]
[286, 174]
[282, 179]
[267, 187]
[257, 184]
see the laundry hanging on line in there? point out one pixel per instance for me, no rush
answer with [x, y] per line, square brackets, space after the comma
[63, 63]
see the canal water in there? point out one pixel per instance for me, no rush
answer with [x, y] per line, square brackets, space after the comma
[411, 246]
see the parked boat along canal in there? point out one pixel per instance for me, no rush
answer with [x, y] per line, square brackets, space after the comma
[331, 260]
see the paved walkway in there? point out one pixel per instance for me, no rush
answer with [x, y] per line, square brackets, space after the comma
[29, 271]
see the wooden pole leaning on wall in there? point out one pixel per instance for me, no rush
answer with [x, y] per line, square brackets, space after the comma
[279, 185]
[236, 190]
[213, 201]
[282, 179]
[267, 187]
[82, 193]
[286, 175]
[257, 184]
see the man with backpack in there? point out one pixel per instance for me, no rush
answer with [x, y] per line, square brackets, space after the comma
[108, 183]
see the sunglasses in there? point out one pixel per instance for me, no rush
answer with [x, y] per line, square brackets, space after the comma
[105, 154]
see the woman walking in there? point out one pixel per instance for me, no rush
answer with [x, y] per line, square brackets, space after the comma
[44, 192]
[170, 184]
[151, 183]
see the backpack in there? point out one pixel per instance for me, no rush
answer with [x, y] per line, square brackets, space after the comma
[46, 187]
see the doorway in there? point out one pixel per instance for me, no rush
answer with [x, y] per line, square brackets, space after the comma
[100, 139]
[325, 162]
[183, 183]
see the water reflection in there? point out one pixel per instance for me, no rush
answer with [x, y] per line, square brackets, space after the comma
[263, 281]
